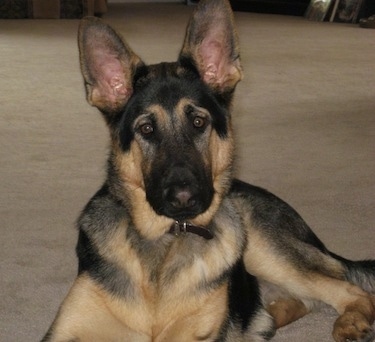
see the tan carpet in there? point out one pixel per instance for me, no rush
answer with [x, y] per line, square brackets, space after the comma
[305, 118]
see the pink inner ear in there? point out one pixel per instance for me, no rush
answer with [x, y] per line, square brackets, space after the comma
[214, 61]
[118, 86]
[110, 78]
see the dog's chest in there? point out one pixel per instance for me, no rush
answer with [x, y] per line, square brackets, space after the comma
[174, 284]
[178, 285]
[178, 267]
[173, 287]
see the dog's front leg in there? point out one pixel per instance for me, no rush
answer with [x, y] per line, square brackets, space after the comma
[88, 314]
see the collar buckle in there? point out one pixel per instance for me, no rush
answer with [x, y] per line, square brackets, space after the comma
[182, 228]
[179, 228]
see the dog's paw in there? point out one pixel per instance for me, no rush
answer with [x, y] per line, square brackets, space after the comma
[353, 327]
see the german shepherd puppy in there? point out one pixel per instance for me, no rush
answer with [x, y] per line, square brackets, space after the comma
[172, 247]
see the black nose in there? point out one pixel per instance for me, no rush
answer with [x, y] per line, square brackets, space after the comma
[181, 192]
[181, 197]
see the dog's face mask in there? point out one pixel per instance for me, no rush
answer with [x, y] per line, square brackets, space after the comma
[170, 122]
[177, 126]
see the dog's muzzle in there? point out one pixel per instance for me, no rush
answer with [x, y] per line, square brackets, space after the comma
[182, 193]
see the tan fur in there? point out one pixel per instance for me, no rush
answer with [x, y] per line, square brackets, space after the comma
[192, 320]
[150, 224]
[285, 311]
[356, 319]
[221, 158]
[89, 314]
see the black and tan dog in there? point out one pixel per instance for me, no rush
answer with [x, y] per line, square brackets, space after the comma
[170, 246]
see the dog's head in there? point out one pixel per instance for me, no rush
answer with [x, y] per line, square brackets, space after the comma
[172, 143]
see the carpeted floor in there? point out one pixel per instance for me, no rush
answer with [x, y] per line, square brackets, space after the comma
[305, 120]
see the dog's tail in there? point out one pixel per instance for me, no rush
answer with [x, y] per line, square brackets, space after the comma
[360, 273]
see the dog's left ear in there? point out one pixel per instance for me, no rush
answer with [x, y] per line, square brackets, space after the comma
[211, 42]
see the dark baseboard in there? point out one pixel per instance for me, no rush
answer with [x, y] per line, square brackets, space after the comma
[297, 8]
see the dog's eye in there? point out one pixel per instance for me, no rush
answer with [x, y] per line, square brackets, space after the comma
[199, 122]
[146, 129]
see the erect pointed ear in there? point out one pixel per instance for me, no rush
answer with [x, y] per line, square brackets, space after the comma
[107, 65]
[212, 43]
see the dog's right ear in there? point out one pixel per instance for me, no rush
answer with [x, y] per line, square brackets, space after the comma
[107, 64]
